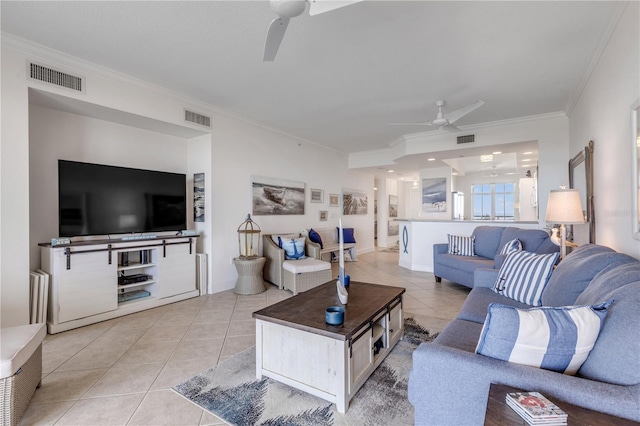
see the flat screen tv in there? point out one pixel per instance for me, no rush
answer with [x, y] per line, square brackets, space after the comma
[95, 199]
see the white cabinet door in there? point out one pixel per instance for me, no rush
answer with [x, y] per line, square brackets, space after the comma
[87, 288]
[396, 324]
[176, 270]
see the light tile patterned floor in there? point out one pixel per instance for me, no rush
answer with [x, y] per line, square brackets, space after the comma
[120, 372]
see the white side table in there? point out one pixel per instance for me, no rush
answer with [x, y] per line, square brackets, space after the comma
[249, 275]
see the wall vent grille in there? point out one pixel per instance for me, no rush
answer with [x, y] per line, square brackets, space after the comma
[194, 117]
[53, 76]
[466, 139]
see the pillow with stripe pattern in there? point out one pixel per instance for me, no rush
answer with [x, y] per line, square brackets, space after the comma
[461, 246]
[553, 338]
[511, 246]
[523, 276]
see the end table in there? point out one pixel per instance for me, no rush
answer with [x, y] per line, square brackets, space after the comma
[249, 275]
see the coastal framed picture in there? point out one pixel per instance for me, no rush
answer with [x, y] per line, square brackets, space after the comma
[316, 195]
[272, 196]
[323, 215]
[434, 195]
[354, 202]
[198, 197]
[334, 200]
[393, 206]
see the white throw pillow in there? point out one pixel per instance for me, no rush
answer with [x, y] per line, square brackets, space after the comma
[293, 248]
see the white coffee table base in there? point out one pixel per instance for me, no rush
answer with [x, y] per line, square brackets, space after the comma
[324, 366]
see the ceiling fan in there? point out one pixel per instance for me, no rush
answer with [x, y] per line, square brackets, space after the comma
[445, 121]
[287, 9]
[493, 173]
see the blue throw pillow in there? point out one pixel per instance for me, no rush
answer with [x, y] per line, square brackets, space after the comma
[315, 237]
[511, 246]
[461, 246]
[557, 339]
[347, 234]
[523, 276]
[293, 248]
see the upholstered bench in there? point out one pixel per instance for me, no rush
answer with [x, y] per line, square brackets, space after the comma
[20, 370]
[305, 274]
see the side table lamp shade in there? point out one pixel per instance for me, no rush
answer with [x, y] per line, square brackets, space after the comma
[248, 239]
[564, 207]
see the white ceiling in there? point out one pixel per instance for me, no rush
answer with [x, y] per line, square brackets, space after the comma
[339, 77]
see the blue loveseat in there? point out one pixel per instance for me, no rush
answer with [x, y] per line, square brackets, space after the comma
[449, 382]
[489, 240]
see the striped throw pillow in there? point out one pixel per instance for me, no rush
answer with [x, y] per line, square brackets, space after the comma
[557, 339]
[511, 246]
[523, 276]
[461, 246]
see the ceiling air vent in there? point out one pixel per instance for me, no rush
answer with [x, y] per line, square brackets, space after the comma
[466, 139]
[57, 77]
[194, 117]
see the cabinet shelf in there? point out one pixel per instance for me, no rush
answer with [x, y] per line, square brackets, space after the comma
[138, 300]
[378, 332]
[135, 266]
[141, 283]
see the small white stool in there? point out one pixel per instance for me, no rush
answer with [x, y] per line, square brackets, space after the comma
[305, 274]
[20, 370]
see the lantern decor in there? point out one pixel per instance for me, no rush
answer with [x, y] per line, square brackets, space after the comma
[248, 239]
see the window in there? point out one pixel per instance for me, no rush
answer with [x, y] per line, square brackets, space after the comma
[493, 201]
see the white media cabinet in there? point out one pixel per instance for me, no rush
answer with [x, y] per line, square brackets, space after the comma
[85, 287]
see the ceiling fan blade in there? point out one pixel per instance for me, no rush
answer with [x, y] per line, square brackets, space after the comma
[458, 114]
[410, 124]
[450, 127]
[321, 6]
[274, 37]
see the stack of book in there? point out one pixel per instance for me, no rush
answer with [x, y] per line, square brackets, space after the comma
[535, 409]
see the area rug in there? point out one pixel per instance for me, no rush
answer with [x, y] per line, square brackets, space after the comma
[231, 392]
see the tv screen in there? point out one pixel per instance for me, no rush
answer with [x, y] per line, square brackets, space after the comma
[95, 199]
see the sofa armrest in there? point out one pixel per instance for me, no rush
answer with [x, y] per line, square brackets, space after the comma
[449, 386]
[312, 249]
[485, 277]
[274, 255]
[440, 248]
[499, 260]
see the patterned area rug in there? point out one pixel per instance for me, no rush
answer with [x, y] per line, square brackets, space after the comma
[230, 391]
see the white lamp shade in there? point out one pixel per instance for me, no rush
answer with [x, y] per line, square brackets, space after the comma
[564, 206]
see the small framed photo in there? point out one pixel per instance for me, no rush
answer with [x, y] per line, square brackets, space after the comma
[323, 215]
[317, 195]
[334, 200]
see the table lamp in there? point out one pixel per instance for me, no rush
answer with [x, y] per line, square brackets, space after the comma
[564, 207]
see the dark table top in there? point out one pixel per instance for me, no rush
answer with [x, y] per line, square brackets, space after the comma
[306, 310]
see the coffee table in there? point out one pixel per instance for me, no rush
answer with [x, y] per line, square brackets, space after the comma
[295, 346]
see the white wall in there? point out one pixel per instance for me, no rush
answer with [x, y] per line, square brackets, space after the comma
[55, 135]
[233, 151]
[386, 187]
[603, 114]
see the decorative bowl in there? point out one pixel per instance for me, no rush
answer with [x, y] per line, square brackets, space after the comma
[334, 315]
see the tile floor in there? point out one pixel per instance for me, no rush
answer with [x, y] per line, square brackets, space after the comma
[120, 372]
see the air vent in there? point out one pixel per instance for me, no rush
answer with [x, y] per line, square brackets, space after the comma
[194, 117]
[57, 77]
[466, 139]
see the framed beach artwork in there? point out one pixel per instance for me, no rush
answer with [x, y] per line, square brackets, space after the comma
[394, 228]
[393, 206]
[316, 195]
[198, 197]
[434, 195]
[272, 196]
[323, 215]
[334, 200]
[354, 202]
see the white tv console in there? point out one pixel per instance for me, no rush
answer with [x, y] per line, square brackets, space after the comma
[85, 286]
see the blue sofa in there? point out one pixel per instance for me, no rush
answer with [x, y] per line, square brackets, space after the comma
[489, 240]
[449, 382]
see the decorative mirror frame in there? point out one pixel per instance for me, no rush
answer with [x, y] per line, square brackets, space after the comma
[585, 156]
[635, 169]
